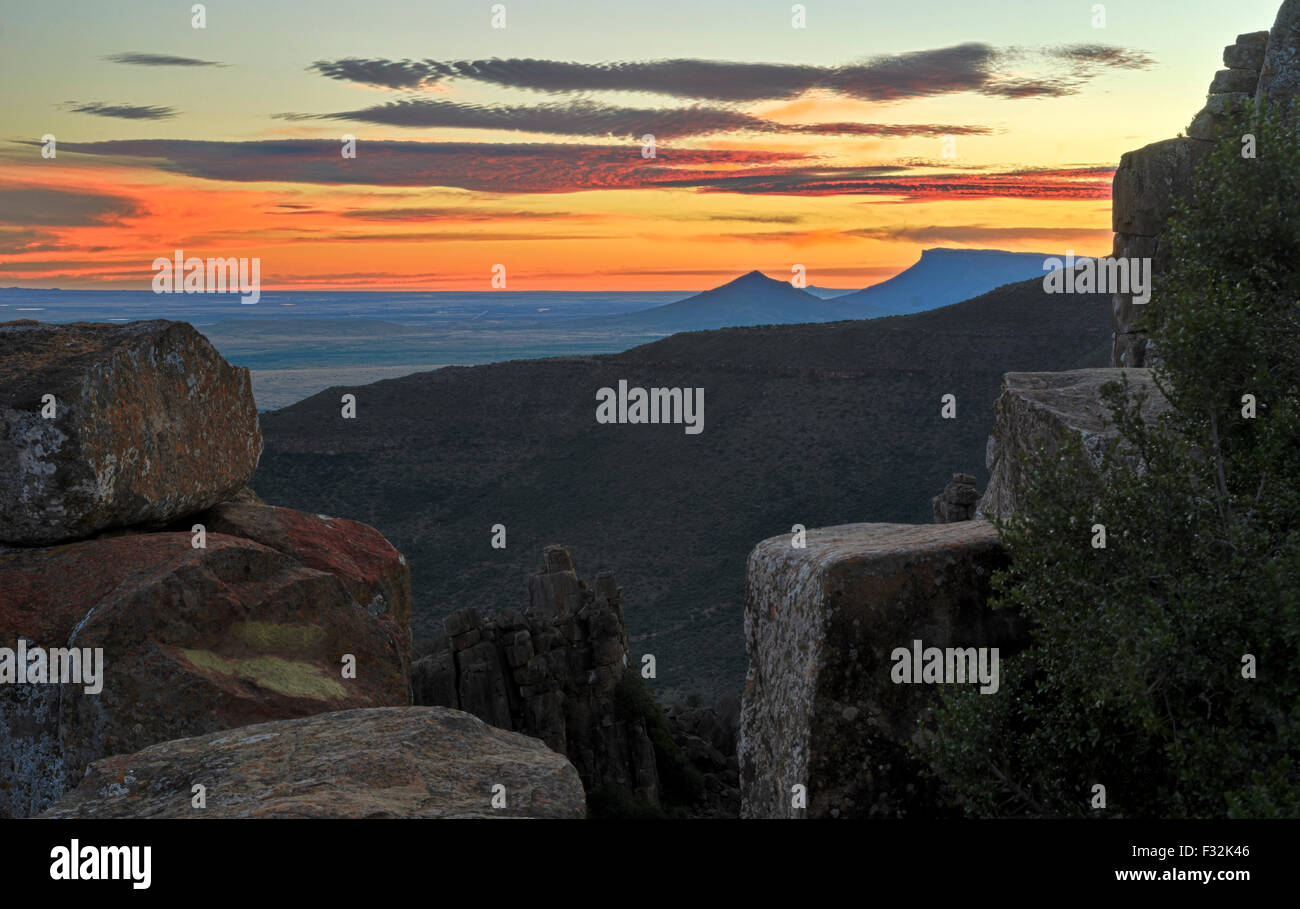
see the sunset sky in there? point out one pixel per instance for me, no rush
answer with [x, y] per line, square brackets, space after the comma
[847, 146]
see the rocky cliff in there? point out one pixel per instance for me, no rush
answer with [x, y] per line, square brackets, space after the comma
[1264, 66]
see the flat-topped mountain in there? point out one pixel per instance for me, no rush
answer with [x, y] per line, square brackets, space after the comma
[941, 277]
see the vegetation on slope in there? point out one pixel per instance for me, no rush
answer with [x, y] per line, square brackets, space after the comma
[818, 424]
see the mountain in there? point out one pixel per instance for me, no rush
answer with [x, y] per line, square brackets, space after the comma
[941, 277]
[751, 299]
[811, 424]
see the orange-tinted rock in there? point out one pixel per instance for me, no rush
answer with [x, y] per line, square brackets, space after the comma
[371, 569]
[148, 424]
[194, 640]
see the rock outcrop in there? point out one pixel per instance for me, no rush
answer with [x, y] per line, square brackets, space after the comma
[1044, 409]
[106, 426]
[1264, 66]
[551, 672]
[400, 762]
[957, 501]
[821, 709]
[198, 616]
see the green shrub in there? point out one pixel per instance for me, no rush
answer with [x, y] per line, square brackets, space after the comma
[1135, 677]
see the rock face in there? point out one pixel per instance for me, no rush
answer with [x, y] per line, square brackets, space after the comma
[1045, 408]
[820, 709]
[550, 672]
[957, 501]
[1259, 65]
[1279, 79]
[401, 762]
[148, 424]
[193, 640]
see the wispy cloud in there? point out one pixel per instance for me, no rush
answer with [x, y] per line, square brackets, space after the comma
[121, 111]
[135, 59]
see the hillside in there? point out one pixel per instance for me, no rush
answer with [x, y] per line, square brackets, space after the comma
[818, 424]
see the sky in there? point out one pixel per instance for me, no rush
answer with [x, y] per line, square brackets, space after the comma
[514, 134]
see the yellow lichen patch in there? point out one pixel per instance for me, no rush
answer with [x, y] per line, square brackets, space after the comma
[278, 636]
[288, 677]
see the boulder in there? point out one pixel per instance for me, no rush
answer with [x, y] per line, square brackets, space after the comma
[193, 641]
[820, 708]
[1045, 408]
[396, 762]
[147, 424]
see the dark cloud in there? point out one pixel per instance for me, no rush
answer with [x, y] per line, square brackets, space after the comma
[972, 67]
[122, 111]
[458, 214]
[480, 167]
[1066, 185]
[1104, 55]
[29, 206]
[159, 60]
[971, 233]
[586, 118]
[559, 168]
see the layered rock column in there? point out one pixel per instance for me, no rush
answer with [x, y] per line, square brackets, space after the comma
[551, 672]
[1264, 66]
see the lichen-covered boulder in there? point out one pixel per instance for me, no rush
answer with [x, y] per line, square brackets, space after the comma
[1044, 409]
[193, 640]
[821, 709]
[399, 762]
[106, 426]
[370, 567]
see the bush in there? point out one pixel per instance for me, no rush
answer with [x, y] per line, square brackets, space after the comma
[1135, 679]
